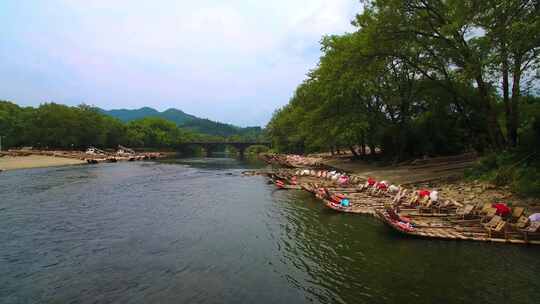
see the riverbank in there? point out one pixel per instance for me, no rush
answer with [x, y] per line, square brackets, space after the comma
[431, 200]
[410, 173]
[29, 158]
[422, 211]
[414, 172]
[444, 174]
[36, 161]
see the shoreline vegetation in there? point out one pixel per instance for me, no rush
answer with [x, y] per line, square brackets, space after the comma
[439, 208]
[54, 126]
[417, 79]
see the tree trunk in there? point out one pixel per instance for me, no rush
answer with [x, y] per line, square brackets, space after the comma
[492, 124]
[514, 118]
[506, 94]
[332, 150]
[372, 149]
[363, 144]
[353, 151]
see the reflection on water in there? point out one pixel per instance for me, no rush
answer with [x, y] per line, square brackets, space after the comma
[216, 163]
[197, 231]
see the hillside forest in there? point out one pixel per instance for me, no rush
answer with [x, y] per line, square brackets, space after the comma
[56, 126]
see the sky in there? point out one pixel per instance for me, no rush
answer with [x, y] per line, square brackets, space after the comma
[232, 61]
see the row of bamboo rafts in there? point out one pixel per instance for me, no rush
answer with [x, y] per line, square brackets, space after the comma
[291, 161]
[415, 213]
[92, 158]
[115, 159]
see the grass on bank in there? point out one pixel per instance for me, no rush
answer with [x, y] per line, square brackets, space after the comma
[519, 171]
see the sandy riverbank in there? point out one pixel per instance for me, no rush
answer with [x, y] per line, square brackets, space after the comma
[35, 161]
[402, 174]
[444, 174]
[444, 168]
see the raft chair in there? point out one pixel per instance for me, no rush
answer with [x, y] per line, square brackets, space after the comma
[372, 190]
[378, 192]
[490, 214]
[410, 201]
[493, 222]
[517, 213]
[478, 206]
[367, 187]
[361, 187]
[425, 205]
[413, 200]
[448, 206]
[498, 229]
[466, 211]
[356, 179]
[402, 193]
[522, 222]
[484, 208]
[532, 230]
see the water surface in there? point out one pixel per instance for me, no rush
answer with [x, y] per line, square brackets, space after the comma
[197, 231]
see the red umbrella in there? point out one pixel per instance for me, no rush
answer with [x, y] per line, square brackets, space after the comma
[502, 209]
[423, 193]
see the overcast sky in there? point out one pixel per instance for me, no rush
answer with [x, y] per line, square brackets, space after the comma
[233, 61]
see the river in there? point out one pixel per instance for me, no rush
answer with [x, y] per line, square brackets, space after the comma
[197, 231]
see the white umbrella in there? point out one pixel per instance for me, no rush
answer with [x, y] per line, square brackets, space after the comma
[535, 217]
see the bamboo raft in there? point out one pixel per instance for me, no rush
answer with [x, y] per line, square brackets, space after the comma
[448, 221]
[97, 156]
[357, 208]
[442, 230]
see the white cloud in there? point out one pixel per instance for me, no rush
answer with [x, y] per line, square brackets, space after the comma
[206, 57]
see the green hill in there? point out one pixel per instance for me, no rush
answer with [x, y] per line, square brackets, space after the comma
[185, 120]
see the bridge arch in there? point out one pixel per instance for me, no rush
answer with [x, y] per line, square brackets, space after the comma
[239, 146]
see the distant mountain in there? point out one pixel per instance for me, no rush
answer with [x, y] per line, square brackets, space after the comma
[128, 115]
[178, 116]
[185, 120]
[173, 115]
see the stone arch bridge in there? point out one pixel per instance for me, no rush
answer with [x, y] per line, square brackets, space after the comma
[240, 146]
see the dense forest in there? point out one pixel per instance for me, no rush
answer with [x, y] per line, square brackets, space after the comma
[186, 121]
[58, 126]
[421, 77]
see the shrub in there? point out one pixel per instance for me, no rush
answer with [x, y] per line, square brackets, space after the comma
[520, 172]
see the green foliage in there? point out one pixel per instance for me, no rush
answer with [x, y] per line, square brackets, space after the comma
[58, 126]
[152, 132]
[257, 149]
[419, 78]
[54, 125]
[515, 169]
[528, 182]
[13, 121]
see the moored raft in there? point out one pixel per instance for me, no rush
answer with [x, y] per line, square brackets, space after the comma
[357, 208]
[445, 230]
[92, 155]
[419, 213]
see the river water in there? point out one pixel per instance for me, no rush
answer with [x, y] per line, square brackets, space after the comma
[197, 231]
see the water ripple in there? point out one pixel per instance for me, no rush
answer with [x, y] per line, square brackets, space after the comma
[197, 231]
